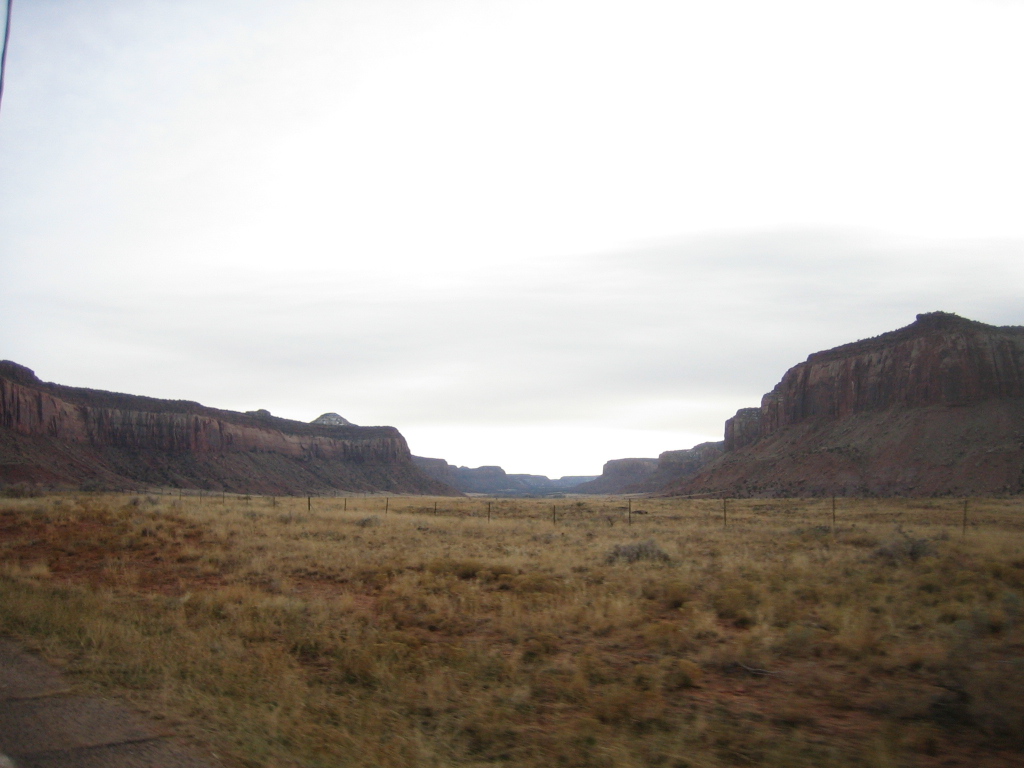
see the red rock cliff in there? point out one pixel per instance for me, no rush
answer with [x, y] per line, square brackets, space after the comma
[941, 359]
[934, 407]
[181, 442]
[742, 429]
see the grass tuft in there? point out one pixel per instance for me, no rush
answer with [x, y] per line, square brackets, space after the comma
[634, 553]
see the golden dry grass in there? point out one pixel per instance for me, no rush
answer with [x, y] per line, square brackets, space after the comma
[280, 636]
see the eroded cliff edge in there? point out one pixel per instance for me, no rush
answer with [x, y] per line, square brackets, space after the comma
[936, 407]
[59, 435]
[619, 475]
[651, 475]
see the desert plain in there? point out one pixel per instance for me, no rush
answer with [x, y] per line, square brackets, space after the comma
[593, 631]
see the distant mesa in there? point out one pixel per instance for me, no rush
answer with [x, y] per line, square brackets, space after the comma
[675, 466]
[494, 480]
[58, 436]
[618, 475]
[332, 420]
[651, 475]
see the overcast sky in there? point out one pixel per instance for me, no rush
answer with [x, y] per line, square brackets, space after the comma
[534, 234]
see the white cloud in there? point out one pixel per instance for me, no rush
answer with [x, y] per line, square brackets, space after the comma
[456, 217]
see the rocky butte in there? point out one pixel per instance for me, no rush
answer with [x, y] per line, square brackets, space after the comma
[56, 435]
[934, 408]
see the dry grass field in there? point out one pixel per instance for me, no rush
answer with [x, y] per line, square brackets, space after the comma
[279, 636]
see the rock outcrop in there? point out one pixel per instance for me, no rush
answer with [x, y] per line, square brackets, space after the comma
[439, 469]
[936, 407]
[651, 475]
[495, 480]
[742, 429]
[486, 479]
[59, 435]
[618, 475]
[676, 466]
[332, 420]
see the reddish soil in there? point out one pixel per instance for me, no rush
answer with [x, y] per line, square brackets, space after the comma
[823, 697]
[94, 551]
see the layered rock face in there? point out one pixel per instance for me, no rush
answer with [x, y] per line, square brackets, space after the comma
[941, 359]
[68, 436]
[936, 407]
[742, 429]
